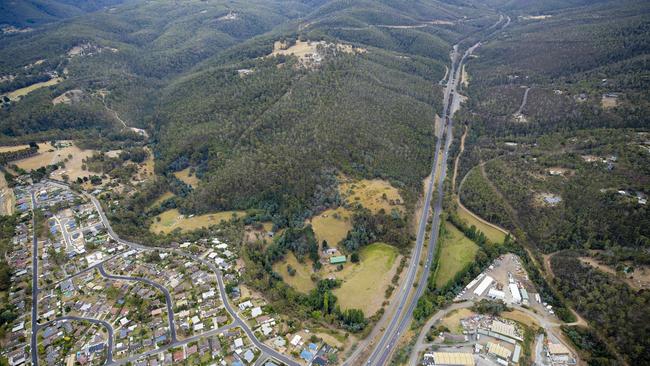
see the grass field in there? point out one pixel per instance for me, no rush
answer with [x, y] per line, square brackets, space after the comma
[370, 194]
[456, 252]
[332, 225]
[493, 234]
[17, 94]
[172, 219]
[5, 149]
[452, 320]
[48, 154]
[365, 283]
[185, 176]
[301, 281]
[165, 196]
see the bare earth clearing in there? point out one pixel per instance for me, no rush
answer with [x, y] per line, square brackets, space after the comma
[639, 278]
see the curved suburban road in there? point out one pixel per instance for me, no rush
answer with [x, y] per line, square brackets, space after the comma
[238, 321]
[168, 297]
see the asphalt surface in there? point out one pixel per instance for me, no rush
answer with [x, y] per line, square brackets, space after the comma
[451, 102]
[109, 329]
[34, 348]
[168, 297]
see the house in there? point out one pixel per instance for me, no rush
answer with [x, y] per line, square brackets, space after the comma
[340, 259]
[306, 355]
[295, 340]
[249, 356]
[245, 305]
[255, 312]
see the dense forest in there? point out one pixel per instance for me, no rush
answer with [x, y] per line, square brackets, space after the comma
[619, 311]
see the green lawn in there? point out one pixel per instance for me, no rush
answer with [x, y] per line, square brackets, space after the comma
[493, 234]
[456, 252]
[301, 280]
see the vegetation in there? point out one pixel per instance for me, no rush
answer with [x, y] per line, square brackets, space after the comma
[619, 310]
[456, 253]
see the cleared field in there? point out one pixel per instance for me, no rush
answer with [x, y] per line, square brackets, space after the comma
[73, 167]
[493, 234]
[165, 196]
[452, 320]
[365, 283]
[187, 177]
[300, 49]
[6, 149]
[7, 198]
[456, 252]
[17, 94]
[332, 225]
[172, 219]
[301, 280]
[48, 155]
[372, 194]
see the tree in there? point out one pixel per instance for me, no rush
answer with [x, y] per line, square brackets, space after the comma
[354, 257]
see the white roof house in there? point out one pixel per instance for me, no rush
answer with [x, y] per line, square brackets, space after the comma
[255, 312]
[295, 340]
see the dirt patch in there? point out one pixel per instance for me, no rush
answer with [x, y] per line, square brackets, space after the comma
[637, 279]
[69, 97]
[545, 199]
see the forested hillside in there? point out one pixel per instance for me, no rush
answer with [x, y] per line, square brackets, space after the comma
[29, 13]
[557, 151]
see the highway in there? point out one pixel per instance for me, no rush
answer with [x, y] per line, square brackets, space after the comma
[168, 298]
[451, 103]
[34, 348]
